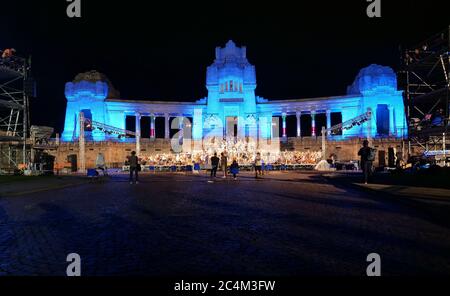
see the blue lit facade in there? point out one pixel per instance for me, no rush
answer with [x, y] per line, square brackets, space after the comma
[233, 109]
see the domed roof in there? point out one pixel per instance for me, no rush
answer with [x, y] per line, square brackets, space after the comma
[94, 76]
[372, 78]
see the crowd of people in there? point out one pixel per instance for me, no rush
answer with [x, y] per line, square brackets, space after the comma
[243, 158]
[243, 151]
[231, 162]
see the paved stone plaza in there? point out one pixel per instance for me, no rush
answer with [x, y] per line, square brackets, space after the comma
[175, 224]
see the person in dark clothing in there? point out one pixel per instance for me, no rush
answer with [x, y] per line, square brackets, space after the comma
[234, 168]
[366, 160]
[258, 164]
[134, 167]
[224, 163]
[214, 165]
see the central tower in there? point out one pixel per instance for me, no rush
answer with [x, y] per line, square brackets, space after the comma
[231, 84]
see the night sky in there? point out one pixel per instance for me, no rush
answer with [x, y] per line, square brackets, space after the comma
[161, 51]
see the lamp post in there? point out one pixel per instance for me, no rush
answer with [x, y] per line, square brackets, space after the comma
[324, 144]
[82, 146]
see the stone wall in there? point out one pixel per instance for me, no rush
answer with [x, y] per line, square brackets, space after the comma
[345, 150]
[116, 152]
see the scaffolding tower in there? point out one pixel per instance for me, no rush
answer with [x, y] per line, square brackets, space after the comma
[15, 88]
[425, 79]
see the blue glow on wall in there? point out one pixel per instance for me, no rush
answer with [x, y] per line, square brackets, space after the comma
[231, 85]
[377, 85]
[84, 95]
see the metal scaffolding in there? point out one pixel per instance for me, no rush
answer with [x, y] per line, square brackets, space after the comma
[357, 121]
[425, 78]
[14, 111]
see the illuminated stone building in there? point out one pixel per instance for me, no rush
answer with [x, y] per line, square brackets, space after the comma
[233, 110]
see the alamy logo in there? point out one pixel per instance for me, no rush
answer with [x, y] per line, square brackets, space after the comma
[374, 268]
[74, 8]
[74, 268]
[374, 8]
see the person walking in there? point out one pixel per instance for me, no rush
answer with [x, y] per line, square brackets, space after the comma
[214, 164]
[224, 163]
[134, 167]
[367, 157]
[234, 168]
[258, 164]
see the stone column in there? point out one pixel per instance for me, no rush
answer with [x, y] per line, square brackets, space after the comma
[152, 126]
[124, 121]
[197, 129]
[313, 123]
[369, 126]
[258, 131]
[181, 129]
[392, 126]
[166, 126]
[269, 122]
[328, 122]
[283, 116]
[138, 133]
[299, 127]
[224, 127]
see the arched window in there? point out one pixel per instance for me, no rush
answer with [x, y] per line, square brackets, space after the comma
[226, 86]
[231, 85]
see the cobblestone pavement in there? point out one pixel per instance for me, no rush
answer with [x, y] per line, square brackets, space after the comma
[173, 224]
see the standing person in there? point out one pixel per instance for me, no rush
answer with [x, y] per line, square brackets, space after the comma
[234, 168]
[263, 166]
[214, 165]
[134, 167]
[258, 164]
[333, 160]
[367, 157]
[224, 163]
[100, 163]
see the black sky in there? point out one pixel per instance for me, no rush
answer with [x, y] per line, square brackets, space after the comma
[160, 50]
